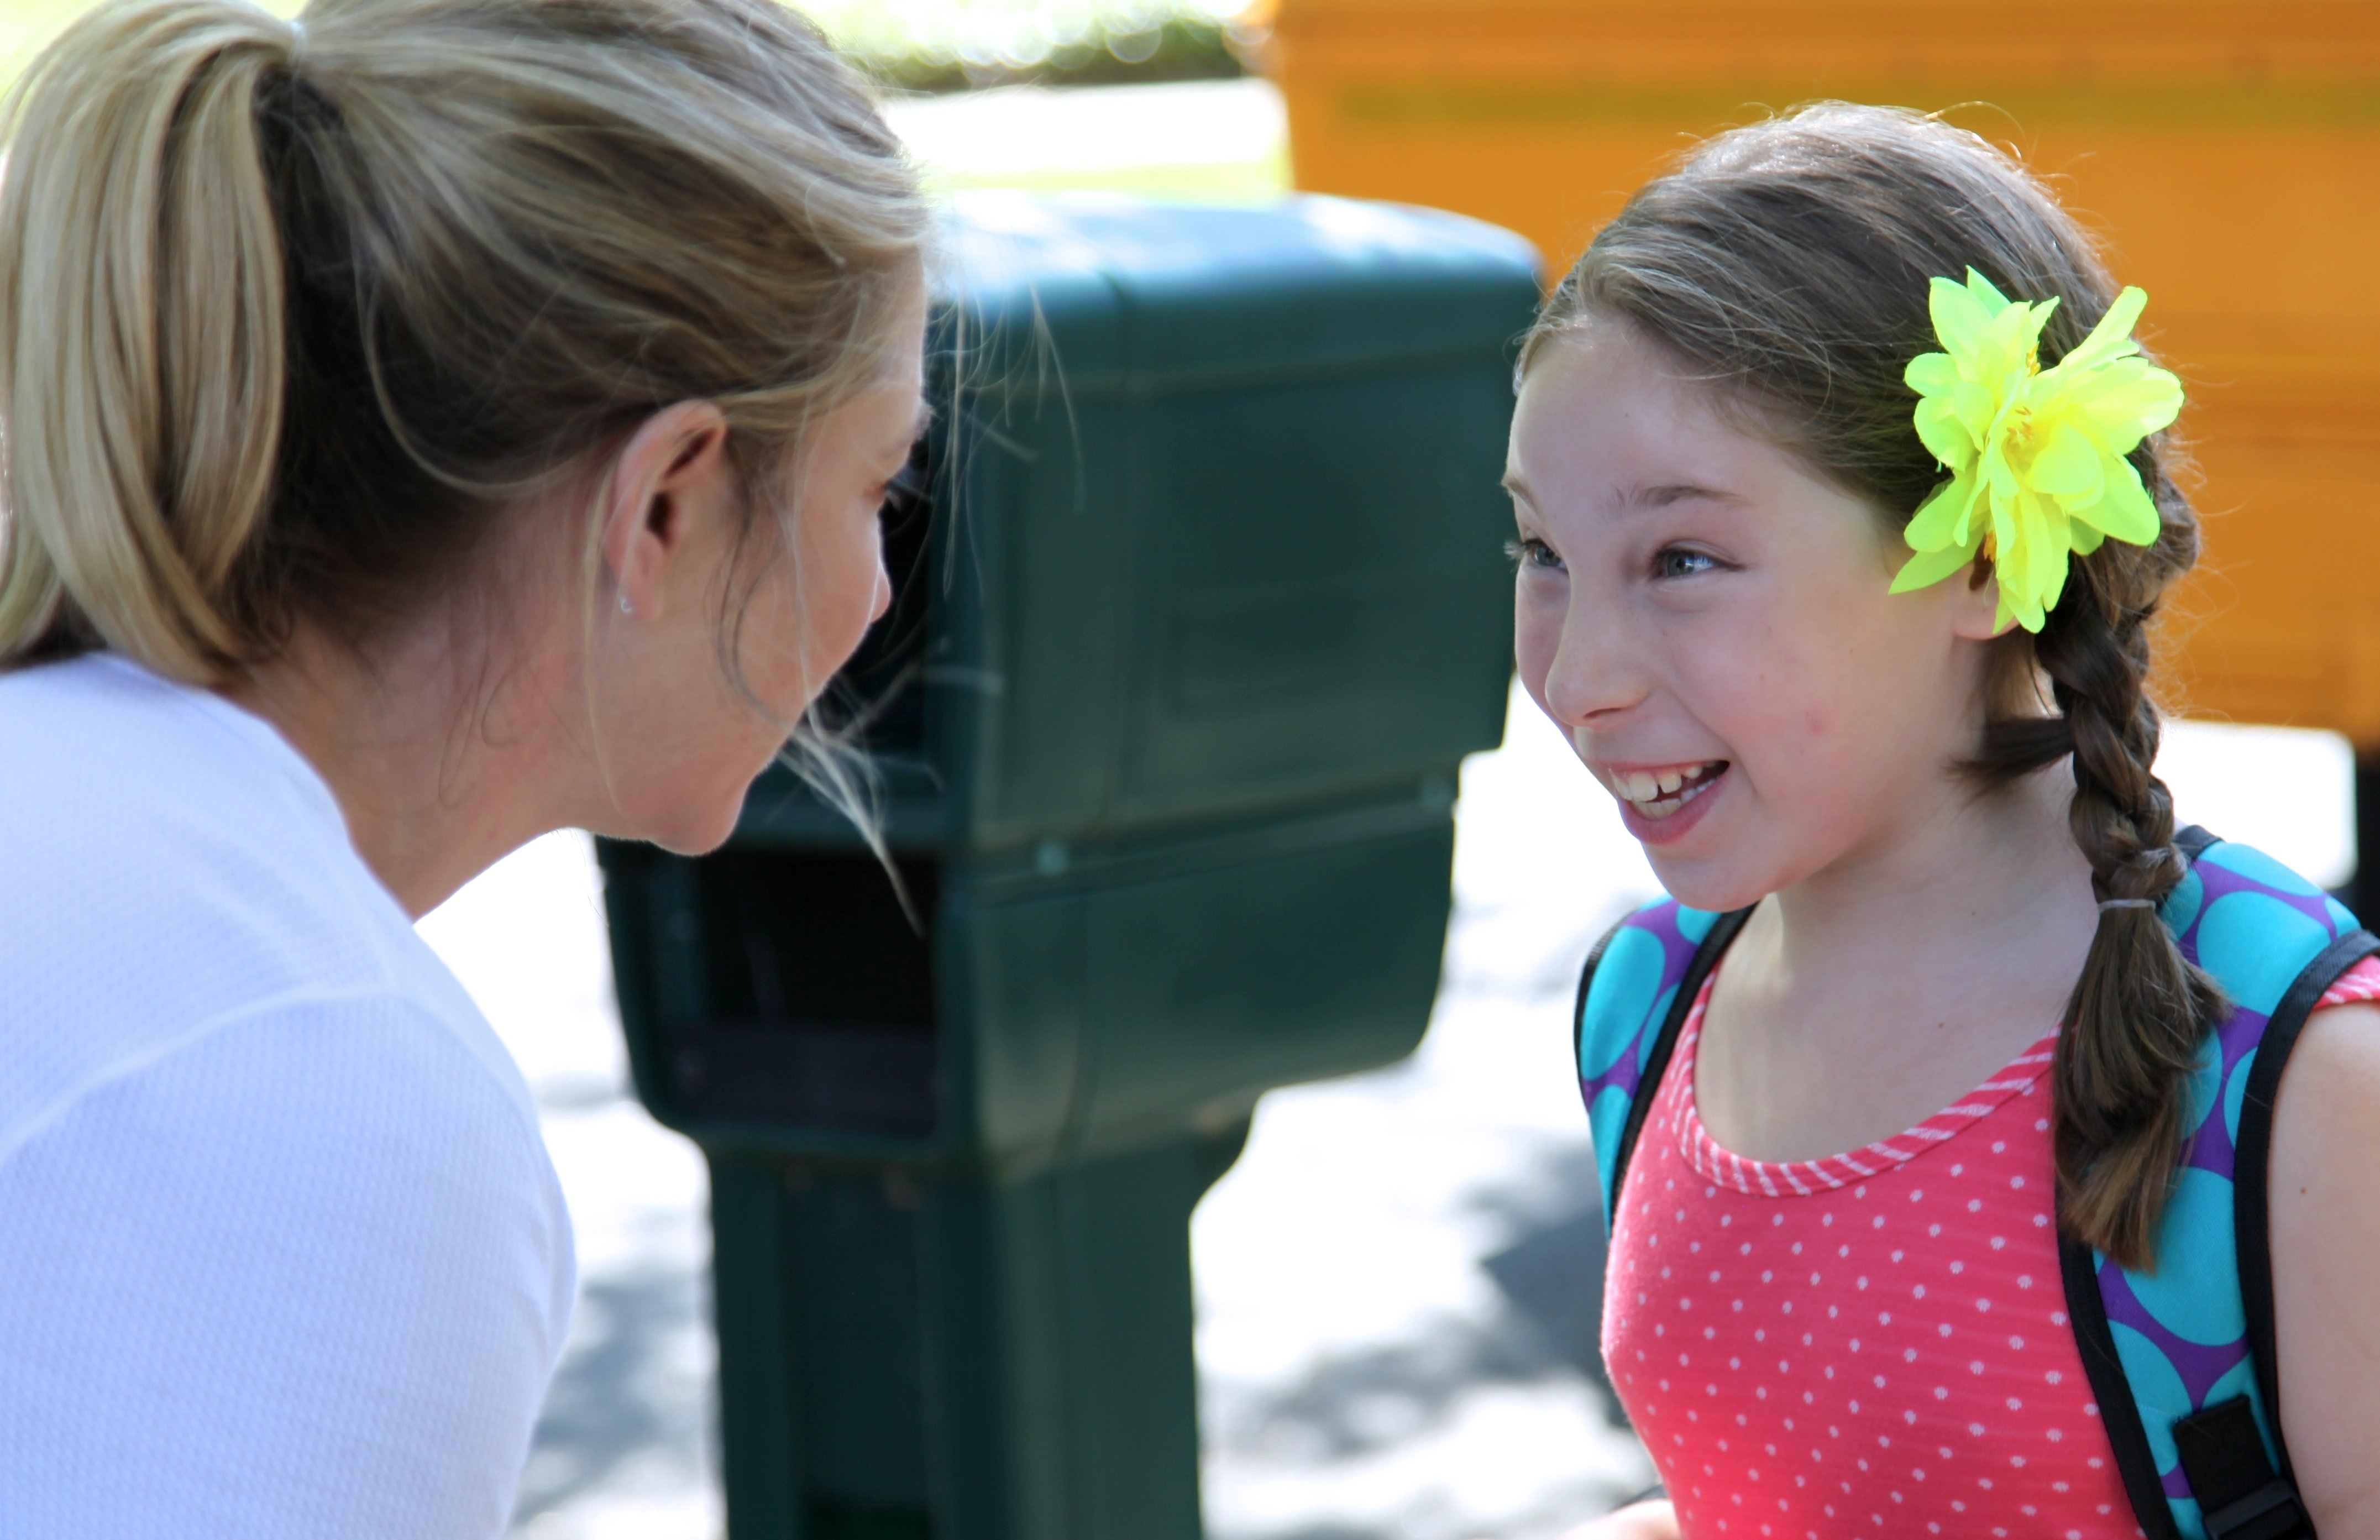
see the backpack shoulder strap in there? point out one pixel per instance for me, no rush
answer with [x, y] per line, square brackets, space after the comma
[1633, 996]
[2181, 1360]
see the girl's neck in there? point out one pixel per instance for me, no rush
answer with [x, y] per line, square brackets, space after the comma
[1971, 871]
[1866, 998]
[1975, 913]
[439, 769]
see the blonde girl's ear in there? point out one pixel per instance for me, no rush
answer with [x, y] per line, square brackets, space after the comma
[672, 473]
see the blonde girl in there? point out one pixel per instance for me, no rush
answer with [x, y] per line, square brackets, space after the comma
[428, 423]
[1844, 508]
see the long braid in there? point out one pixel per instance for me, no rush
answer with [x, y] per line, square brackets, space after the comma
[2140, 1010]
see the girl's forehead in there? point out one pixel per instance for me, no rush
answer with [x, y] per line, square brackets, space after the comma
[1607, 420]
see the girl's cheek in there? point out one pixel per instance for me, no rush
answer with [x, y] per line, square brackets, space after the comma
[1787, 718]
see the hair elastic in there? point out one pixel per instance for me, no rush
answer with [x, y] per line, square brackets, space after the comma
[2105, 904]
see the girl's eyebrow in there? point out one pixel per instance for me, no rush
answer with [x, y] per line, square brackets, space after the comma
[1678, 492]
[1660, 496]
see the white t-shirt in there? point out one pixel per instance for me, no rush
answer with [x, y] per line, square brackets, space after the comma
[280, 1251]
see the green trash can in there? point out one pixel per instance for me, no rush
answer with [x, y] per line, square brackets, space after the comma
[1200, 606]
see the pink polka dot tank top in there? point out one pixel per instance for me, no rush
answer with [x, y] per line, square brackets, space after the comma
[1866, 1347]
[1875, 1344]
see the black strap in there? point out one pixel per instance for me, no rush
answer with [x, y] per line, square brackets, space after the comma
[1715, 945]
[2078, 1269]
[2250, 1177]
[2240, 1496]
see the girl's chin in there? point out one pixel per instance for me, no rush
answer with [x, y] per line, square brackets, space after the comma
[1702, 868]
[1693, 884]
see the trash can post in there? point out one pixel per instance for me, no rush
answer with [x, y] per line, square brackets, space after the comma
[758, 1449]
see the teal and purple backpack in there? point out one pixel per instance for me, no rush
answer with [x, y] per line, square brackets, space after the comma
[2182, 1361]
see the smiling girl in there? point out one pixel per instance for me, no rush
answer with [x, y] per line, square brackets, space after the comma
[1922, 1101]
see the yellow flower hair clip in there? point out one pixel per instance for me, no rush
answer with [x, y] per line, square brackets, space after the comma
[2035, 455]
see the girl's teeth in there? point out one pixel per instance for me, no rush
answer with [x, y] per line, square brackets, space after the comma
[1647, 786]
[1658, 796]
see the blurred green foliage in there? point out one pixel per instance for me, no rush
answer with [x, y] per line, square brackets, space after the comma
[941, 45]
[926, 46]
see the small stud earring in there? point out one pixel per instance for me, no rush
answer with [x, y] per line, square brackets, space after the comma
[626, 607]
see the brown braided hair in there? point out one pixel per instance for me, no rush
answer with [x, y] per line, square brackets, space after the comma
[1787, 262]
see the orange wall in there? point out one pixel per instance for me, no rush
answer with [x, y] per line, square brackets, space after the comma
[2230, 152]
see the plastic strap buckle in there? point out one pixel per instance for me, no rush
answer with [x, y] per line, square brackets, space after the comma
[2271, 1512]
[2239, 1495]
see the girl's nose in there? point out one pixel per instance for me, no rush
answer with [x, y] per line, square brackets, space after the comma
[1596, 672]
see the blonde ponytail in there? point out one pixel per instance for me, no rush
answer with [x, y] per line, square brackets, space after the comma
[141, 286]
[289, 331]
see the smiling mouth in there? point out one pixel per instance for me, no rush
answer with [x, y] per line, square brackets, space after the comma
[1659, 793]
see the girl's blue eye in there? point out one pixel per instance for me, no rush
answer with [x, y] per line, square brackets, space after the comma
[1532, 553]
[1676, 562]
